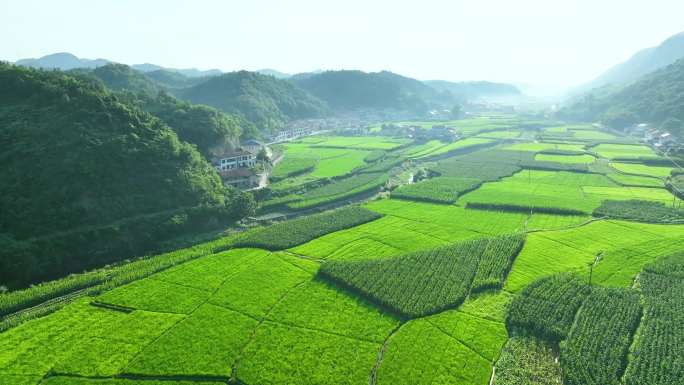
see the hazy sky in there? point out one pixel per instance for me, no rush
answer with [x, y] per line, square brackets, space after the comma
[543, 42]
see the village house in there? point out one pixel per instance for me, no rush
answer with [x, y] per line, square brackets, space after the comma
[242, 178]
[233, 160]
[252, 145]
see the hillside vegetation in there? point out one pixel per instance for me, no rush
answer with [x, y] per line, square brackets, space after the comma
[264, 100]
[354, 90]
[657, 98]
[89, 179]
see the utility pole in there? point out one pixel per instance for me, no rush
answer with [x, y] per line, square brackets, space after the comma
[591, 265]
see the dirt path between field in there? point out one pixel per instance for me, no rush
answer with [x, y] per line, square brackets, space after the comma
[373, 377]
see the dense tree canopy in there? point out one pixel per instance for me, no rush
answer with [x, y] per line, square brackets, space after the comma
[75, 156]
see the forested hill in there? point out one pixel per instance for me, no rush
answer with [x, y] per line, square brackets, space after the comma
[210, 130]
[656, 98]
[264, 100]
[643, 62]
[475, 89]
[355, 90]
[88, 178]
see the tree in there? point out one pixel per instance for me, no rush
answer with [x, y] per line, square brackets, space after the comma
[619, 119]
[674, 126]
[456, 111]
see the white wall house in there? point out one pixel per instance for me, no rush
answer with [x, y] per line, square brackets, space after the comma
[234, 160]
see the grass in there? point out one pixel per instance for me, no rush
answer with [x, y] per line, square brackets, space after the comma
[586, 159]
[635, 180]
[550, 252]
[592, 135]
[461, 144]
[410, 226]
[297, 231]
[535, 188]
[439, 190]
[642, 169]
[206, 343]
[421, 353]
[536, 147]
[77, 337]
[356, 142]
[280, 354]
[291, 166]
[318, 305]
[528, 361]
[612, 151]
[69, 380]
[254, 291]
[154, 295]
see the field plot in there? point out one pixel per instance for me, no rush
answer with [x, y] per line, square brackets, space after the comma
[461, 144]
[291, 166]
[280, 354]
[427, 282]
[410, 226]
[659, 348]
[492, 306]
[439, 190]
[642, 169]
[77, 337]
[549, 252]
[527, 361]
[541, 189]
[330, 161]
[547, 307]
[592, 135]
[635, 180]
[319, 305]
[586, 159]
[640, 211]
[421, 353]
[356, 142]
[504, 134]
[623, 151]
[70, 380]
[416, 284]
[297, 231]
[536, 147]
[596, 350]
[206, 343]
[253, 292]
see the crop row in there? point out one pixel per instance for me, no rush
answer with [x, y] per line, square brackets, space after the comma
[439, 190]
[658, 356]
[106, 278]
[496, 261]
[595, 352]
[527, 361]
[547, 307]
[292, 166]
[424, 282]
[523, 208]
[640, 210]
[297, 231]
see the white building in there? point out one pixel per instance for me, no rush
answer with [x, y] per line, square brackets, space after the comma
[252, 145]
[235, 159]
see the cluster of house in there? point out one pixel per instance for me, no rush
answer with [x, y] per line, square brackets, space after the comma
[305, 127]
[659, 139]
[236, 167]
[437, 131]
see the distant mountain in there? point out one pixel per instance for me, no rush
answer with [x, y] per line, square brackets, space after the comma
[120, 77]
[66, 61]
[63, 60]
[275, 73]
[189, 72]
[264, 100]
[643, 62]
[171, 79]
[355, 90]
[475, 89]
[656, 98]
[89, 178]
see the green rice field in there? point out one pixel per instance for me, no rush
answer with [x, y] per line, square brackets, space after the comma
[496, 268]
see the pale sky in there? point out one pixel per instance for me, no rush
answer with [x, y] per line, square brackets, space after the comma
[540, 42]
